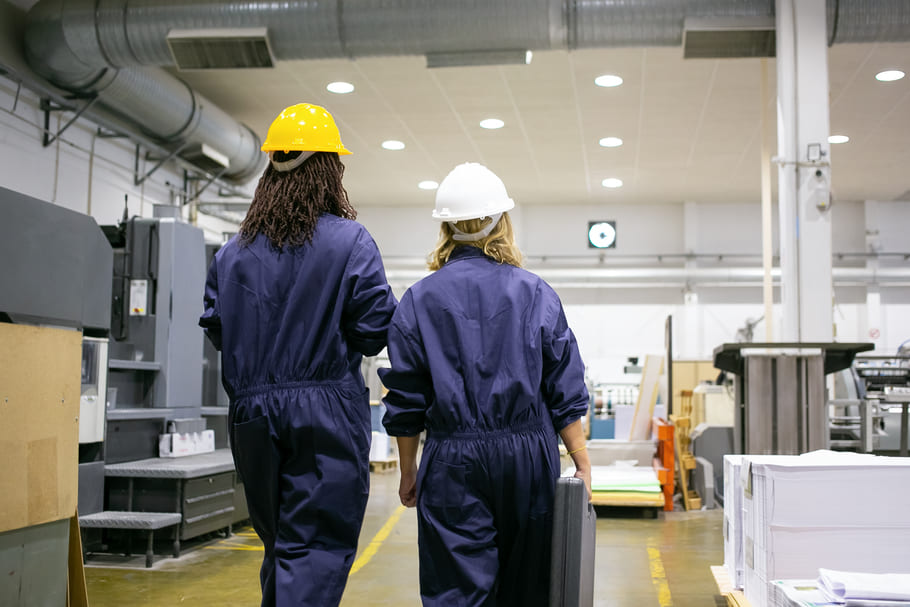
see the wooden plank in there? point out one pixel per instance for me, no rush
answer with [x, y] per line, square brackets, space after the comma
[76, 590]
[647, 397]
[40, 382]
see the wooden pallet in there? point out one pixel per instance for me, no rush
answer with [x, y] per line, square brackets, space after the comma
[384, 466]
[735, 598]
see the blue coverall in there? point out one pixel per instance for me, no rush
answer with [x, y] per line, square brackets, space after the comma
[292, 327]
[483, 359]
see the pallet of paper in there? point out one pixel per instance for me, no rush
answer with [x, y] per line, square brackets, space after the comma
[733, 519]
[844, 511]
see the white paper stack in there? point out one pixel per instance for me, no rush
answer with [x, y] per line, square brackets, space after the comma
[799, 593]
[841, 511]
[733, 519]
[380, 447]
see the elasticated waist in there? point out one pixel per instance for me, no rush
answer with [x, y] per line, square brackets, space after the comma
[294, 385]
[491, 433]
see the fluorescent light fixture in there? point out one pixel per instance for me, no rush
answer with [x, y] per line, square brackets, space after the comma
[492, 123]
[611, 142]
[611, 182]
[474, 58]
[393, 144]
[838, 139]
[528, 56]
[608, 80]
[341, 88]
[889, 75]
[428, 185]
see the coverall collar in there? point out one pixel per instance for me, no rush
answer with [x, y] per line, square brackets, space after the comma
[465, 252]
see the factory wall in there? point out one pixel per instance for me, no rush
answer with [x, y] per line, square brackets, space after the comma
[90, 173]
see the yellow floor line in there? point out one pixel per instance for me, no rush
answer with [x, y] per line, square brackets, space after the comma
[377, 540]
[659, 578]
[235, 547]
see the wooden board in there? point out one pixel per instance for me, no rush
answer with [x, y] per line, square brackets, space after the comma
[647, 397]
[39, 434]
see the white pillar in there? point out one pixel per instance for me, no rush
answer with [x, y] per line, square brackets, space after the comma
[873, 292]
[804, 171]
[690, 325]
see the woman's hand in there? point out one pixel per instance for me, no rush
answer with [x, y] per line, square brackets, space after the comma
[407, 488]
[585, 475]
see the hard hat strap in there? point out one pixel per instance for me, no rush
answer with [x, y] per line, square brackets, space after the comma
[289, 165]
[461, 236]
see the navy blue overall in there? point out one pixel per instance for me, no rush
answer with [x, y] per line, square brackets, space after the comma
[292, 327]
[483, 359]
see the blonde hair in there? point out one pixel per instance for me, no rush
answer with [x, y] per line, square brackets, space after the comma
[499, 244]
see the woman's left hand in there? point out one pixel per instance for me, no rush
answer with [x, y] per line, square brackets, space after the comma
[407, 488]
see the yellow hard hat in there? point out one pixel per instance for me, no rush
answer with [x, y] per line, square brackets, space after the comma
[304, 127]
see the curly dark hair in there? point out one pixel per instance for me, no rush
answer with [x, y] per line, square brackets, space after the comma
[286, 206]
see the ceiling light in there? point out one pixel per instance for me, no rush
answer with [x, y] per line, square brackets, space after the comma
[340, 87]
[492, 123]
[608, 80]
[393, 144]
[528, 56]
[611, 182]
[611, 142]
[428, 185]
[838, 139]
[889, 75]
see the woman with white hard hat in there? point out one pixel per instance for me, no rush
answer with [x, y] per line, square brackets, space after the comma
[293, 302]
[483, 360]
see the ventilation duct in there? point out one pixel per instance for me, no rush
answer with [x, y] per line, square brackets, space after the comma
[220, 48]
[99, 47]
[725, 38]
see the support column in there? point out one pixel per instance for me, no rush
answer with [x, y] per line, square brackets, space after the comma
[804, 171]
[873, 291]
[690, 325]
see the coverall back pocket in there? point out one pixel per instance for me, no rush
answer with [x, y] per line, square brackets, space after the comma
[444, 486]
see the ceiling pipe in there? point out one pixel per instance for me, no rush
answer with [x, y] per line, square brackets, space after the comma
[98, 47]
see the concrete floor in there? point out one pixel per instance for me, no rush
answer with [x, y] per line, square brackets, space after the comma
[640, 561]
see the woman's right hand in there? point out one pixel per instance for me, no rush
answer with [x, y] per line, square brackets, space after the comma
[407, 488]
[585, 475]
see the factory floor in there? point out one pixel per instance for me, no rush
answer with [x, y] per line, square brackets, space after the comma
[640, 561]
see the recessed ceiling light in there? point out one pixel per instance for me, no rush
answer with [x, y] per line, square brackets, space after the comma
[608, 80]
[611, 182]
[889, 75]
[340, 87]
[428, 185]
[492, 123]
[838, 139]
[611, 142]
[392, 144]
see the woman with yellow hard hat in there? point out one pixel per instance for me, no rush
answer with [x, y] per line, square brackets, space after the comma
[293, 302]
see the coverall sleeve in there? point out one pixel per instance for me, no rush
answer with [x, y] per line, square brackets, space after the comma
[370, 302]
[408, 381]
[211, 317]
[563, 381]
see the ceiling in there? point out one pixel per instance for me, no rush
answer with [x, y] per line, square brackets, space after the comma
[691, 128]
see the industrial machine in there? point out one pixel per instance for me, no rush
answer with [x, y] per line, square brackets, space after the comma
[870, 410]
[54, 310]
[780, 393]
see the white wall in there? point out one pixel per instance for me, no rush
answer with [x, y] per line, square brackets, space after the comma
[88, 173]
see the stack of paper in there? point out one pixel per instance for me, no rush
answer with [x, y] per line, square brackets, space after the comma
[844, 586]
[624, 484]
[798, 593]
[733, 519]
[842, 511]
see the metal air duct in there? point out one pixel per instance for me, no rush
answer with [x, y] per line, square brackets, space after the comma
[95, 46]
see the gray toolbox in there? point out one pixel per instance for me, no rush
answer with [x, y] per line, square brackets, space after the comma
[574, 532]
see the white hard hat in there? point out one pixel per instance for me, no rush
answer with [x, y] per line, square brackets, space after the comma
[471, 191]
